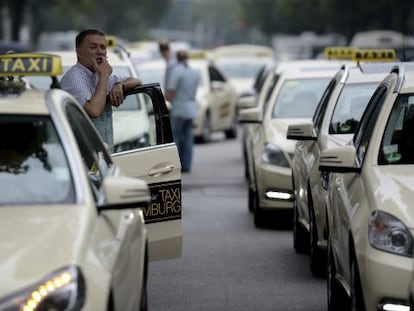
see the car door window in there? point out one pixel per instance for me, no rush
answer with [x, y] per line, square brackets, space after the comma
[366, 126]
[93, 151]
[323, 103]
[397, 145]
[215, 75]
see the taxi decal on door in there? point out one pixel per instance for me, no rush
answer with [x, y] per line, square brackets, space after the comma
[165, 202]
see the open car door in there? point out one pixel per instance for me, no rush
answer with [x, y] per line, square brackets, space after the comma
[144, 148]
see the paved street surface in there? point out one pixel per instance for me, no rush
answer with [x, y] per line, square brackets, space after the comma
[227, 263]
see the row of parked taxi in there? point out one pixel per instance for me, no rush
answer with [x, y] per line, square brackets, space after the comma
[80, 223]
[333, 140]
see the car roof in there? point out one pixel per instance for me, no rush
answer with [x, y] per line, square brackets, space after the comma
[408, 83]
[30, 101]
[369, 72]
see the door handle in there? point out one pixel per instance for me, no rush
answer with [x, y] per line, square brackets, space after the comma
[161, 169]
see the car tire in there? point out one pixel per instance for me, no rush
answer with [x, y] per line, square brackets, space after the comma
[206, 130]
[357, 298]
[316, 255]
[259, 217]
[300, 235]
[252, 199]
[232, 131]
[337, 299]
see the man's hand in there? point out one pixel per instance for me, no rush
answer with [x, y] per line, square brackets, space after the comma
[102, 67]
[116, 95]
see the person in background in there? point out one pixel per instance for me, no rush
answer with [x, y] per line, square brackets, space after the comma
[181, 91]
[166, 53]
[92, 83]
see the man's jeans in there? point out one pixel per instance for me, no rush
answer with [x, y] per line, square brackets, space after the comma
[183, 136]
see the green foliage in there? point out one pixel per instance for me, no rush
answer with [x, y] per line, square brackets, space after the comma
[347, 17]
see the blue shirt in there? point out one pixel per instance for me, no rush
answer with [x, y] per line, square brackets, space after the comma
[81, 83]
[184, 81]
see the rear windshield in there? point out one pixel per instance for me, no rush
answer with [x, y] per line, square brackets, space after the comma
[33, 165]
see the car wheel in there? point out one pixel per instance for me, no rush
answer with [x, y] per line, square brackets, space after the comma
[317, 256]
[300, 236]
[336, 297]
[259, 217]
[206, 131]
[252, 199]
[232, 131]
[357, 298]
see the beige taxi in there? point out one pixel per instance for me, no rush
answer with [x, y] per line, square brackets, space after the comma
[333, 124]
[241, 63]
[79, 224]
[370, 195]
[292, 96]
[216, 96]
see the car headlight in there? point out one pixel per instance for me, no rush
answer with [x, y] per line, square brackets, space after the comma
[389, 234]
[61, 290]
[272, 154]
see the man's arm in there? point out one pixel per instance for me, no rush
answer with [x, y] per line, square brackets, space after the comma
[170, 95]
[96, 104]
[116, 94]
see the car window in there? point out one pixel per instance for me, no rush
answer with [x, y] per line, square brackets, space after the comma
[31, 151]
[323, 103]
[134, 123]
[397, 145]
[269, 90]
[93, 151]
[298, 98]
[349, 107]
[215, 75]
[367, 123]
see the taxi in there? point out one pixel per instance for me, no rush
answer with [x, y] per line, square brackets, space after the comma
[370, 195]
[293, 94]
[333, 124]
[79, 224]
[241, 63]
[216, 97]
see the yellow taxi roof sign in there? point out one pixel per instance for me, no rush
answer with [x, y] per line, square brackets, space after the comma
[30, 64]
[110, 41]
[339, 52]
[375, 55]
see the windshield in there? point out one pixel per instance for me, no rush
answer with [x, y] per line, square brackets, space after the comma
[350, 106]
[298, 98]
[33, 165]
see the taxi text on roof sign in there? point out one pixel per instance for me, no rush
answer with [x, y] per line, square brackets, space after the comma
[375, 55]
[30, 64]
[357, 54]
[110, 41]
[339, 52]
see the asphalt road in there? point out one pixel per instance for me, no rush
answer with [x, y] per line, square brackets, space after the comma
[228, 263]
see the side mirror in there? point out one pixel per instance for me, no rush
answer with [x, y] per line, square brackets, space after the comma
[124, 193]
[339, 160]
[216, 86]
[246, 102]
[301, 131]
[250, 115]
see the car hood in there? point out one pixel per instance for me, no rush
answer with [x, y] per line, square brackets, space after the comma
[392, 187]
[35, 241]
[276, 131]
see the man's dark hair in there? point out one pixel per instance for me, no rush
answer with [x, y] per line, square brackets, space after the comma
[81, 36]
[182, 56]
[163, 46]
